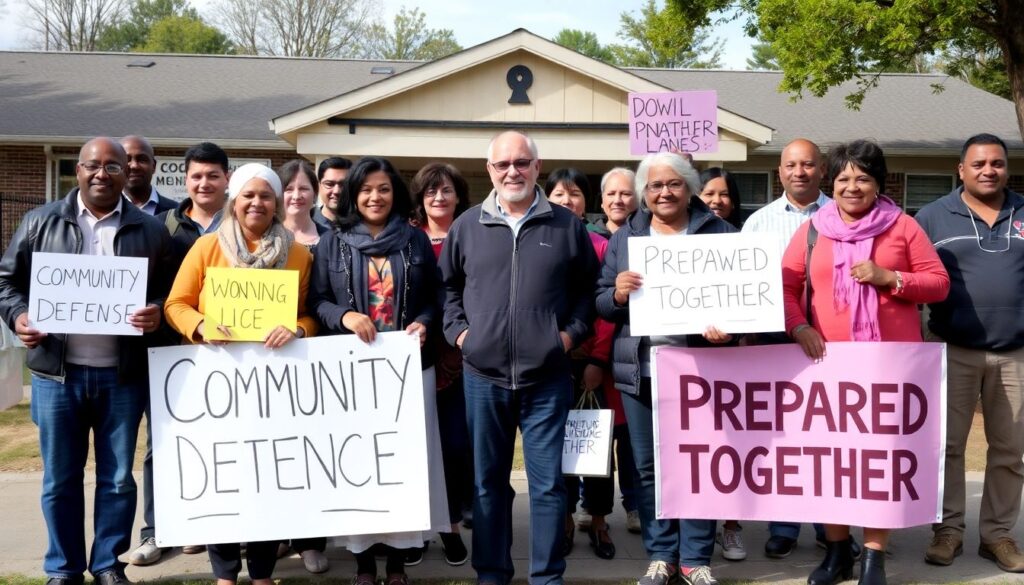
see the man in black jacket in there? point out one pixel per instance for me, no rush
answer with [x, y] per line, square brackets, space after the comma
[138, 184]
[519, 277]
[87, 383]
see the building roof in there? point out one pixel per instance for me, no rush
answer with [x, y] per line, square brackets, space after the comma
[179, 99]
[903, 112]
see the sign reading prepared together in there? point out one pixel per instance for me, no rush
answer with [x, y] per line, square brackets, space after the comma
[92, 295]
[729, 281]
[249, 302]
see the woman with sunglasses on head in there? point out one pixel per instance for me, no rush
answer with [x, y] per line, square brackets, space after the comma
[870, 267]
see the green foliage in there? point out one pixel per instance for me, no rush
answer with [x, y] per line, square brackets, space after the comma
[184, 34]
[762, 58]
[134, 31]
[665, 38]
[409, 39]
[586, 43]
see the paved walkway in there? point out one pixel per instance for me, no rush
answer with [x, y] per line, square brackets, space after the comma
[23, 541]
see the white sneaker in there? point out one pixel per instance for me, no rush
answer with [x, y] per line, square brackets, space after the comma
[699, 576]
[732, 544]
[147, 553]
[633, 521]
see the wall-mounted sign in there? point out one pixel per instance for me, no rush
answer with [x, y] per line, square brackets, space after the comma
[519, 79]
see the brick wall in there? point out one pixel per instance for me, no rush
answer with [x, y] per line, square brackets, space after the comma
[23, 171]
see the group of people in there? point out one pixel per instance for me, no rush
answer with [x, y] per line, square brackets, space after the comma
[534, 319]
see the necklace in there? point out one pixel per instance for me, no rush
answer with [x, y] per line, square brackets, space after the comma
[977, 235]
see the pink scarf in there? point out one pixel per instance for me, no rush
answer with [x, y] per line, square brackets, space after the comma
[853, 242]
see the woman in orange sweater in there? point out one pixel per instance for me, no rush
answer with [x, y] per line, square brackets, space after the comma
[870, 268]
[251, 235]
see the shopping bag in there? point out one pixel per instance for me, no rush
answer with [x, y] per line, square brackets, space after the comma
[588, 439]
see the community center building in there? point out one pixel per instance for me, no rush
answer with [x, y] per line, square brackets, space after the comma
[271, 109]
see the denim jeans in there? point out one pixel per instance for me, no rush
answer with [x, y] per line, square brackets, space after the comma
[689, 543]
[792, 530]
[492, 414]
[90, 399]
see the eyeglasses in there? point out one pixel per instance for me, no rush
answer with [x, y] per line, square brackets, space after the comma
[445, 193]
[521, 164]
[330, 184]
[111, 168]
[675, 186]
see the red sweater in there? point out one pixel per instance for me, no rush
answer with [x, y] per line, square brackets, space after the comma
[904, 247]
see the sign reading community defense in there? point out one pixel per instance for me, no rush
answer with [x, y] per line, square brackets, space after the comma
[75, 293]
[764, 433]
[686, 121]
[730, 281]
[323, 436]
[249, 301]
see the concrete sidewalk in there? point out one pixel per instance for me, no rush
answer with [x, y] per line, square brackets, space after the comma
[23, 542]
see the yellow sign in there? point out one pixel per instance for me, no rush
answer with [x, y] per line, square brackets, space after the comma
[250, 302]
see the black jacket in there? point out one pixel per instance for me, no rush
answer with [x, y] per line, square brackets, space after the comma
[625, 348]
[162, 203]
[516, 294]
[182, 229]
[332, 294]
[54, 228]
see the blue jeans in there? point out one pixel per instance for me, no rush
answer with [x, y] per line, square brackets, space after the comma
[492, 414]
[792, 530]
[90, 399]
[689, 543]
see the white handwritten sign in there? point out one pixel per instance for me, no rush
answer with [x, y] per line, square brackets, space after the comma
[324, 436]
[169, 175]
[73, 293]
[686, 121]
[730, 281]
[587, 450]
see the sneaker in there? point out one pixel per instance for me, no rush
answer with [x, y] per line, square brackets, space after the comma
[1005, 554]
[659, 573]
[283, 549]
[583, 519]
[364, 579]
[698, 576]
[147, 553]
[945, 546]
[396, 579]
[779, 547]
[111, 577]
[455, 552]
[731, 542]
[413, 556]
[314, 561]
[633, 521]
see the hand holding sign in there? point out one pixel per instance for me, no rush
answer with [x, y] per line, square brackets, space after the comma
[28, 335]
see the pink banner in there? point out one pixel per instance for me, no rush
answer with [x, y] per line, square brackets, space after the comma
[763, 433]
[686, 121]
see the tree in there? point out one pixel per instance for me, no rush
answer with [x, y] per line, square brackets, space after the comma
[294, 28]
[409, 39]
[133, 32]
[663, 38]
[823, 43]
[586, 43]
[184, 34]
[71, 25]
[762, 58]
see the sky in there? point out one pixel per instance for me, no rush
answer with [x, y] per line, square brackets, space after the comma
[474, 21]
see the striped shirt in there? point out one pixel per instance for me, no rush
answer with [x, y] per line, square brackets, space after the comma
[782, 218]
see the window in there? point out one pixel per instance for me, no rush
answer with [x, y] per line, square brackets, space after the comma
[755, 188]
[922, 189]
[66, 178]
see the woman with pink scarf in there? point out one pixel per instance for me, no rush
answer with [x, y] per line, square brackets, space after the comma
[870, 267]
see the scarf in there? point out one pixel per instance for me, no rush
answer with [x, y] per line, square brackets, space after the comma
[271, 249]
[853, 243]
[391, 243]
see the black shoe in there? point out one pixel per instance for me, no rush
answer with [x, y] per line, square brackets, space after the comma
[854, 546]
[455, 552]
[872, 567]
[837, 565]
[467, 517]
[65, 580]
[779, 547]
[602, 543]
[112, 577]
[414, 556]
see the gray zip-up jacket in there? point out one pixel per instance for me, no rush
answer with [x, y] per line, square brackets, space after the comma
[515, 294]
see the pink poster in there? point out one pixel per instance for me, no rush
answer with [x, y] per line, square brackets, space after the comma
[763, 433]
[686, 121]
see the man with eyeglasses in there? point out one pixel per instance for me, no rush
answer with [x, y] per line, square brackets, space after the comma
[87, 383]
[138, 184]
[519, 275]
[331, 175]
[978, 230]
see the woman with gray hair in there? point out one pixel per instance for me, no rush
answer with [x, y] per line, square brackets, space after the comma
[251, 235]
[618, 199]
[669, 207]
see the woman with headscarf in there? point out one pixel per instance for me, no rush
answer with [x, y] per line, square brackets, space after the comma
[251, 235]
[375, 272]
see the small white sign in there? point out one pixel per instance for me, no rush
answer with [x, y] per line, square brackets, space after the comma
[74, 293]
[729, 281]
[588, 443]
[325, 436]
[169, 176]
